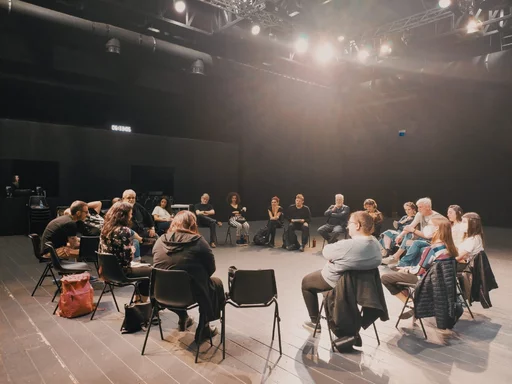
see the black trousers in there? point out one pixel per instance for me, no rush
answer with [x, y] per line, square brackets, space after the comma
[208, 222]
[140, 272]
[312, 285]
[272, 225]
[292, 238]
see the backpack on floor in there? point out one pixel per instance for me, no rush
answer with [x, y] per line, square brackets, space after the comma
[77, 297]
[260, 238]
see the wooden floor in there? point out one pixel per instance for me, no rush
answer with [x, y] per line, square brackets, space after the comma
[37, 347]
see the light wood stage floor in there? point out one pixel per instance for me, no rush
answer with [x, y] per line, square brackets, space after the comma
[37, 347]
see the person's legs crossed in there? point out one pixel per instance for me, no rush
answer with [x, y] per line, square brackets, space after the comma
[325, 231]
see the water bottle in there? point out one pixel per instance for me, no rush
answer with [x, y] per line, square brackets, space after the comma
[314, 243]
[41, 204]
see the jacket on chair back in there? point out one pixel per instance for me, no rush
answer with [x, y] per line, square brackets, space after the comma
[435, 294]
[355, 288]
[483, 280]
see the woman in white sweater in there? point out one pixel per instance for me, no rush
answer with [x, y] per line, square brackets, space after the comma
[454, 214]
[473, 242]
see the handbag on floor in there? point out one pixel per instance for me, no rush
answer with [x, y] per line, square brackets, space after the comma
[136, 316]
[77, 297]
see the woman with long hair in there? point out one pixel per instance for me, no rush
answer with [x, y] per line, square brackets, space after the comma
[236, 218]
[387, 239]
[441, 248]
[454, 214]
[370, 206]
[275, 220]
[183, 248]
[116, 238]
[473, 242]
[162, 216]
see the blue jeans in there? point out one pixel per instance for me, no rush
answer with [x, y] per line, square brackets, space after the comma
[136, 244]
[413, 255]
[392, 235]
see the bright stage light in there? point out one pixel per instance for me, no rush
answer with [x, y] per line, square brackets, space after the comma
[301, 45]
[180, 6]
[363, 55]
[341, 38]
[473, 25]
[324, 53]
[385, 49]
[444, 3]
[255, 30]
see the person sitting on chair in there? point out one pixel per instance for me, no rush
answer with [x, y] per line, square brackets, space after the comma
[93, 223]
[141, 221]
[299, 217]
[337, 217]
[442, 247]
[370, 206]
[361, 252]
[473, 242]
[162, 216]
[236, 218]
[275, 220]
[454, 214]
[61, 232]
[15, 182]
[116, 239]
[183, 248]
[387, 238]
[205, 213]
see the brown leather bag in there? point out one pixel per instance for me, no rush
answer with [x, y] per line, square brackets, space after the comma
[77, 297]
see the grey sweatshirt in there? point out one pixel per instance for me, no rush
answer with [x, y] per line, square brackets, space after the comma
[358, 253]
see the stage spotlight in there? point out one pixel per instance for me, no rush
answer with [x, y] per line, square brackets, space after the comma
[301, 45]
[444, 3]
[363, 55]
[473, 25]
[180, 6]
[255, 30]
[385, 49]
[197, 67]
[324, 53]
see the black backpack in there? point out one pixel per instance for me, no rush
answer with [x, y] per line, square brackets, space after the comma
[260, 238]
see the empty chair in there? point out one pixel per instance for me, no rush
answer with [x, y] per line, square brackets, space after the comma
[64, 268]
[253, 289]
[172, 289]
[48, 270]
[112, 274]
[89, 249]
[39, 214]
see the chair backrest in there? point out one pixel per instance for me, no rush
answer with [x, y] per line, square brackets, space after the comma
[60, 209]
[171, 288]
[253, 287]
[35, 201]
[110, 270]
[89, 247]
[36, 245]
[53, 254]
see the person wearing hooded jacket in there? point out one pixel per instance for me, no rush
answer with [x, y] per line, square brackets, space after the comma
[183, 248]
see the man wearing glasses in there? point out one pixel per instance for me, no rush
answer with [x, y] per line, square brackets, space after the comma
[142, 221]
[360, 253]
[61, 232]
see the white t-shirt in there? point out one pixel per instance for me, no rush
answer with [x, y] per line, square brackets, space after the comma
[162, 213]
[472, 245]
[458, 233]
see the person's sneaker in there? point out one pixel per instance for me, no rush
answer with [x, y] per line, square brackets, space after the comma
[212, 245]
[238, 242]
[407, 314]
[388, 260]
[301, 248]
[183, 325]
[310, 326]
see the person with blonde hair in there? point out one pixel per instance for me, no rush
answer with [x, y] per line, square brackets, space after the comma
[361, 252]
[183, 248]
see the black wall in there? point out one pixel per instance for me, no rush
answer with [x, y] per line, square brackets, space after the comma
[96, 164]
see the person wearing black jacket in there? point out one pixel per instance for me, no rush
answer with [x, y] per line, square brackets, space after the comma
[142, 222]
[299, 217]
[337, 218]
[183, 248]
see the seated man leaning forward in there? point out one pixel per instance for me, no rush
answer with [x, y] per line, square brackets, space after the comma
[142, 222]
[299, 217]
[62, 231]
[360, 253]
[337, 217]
[205, 213]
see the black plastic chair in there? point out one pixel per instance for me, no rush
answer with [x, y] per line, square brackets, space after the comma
[39, 214]
[89, 250]
[255, 289]
[48, 270]
[411, 289]
[112, 274]
[63, 269]
[172, 289]
[228, 234]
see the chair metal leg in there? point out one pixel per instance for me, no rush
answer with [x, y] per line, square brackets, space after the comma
[459, 293]
[159, 321]
[376, 334]
[199, 341]
[423, 329]
[276, 317]
[147, 332]
[318, 318]
[330, 337]
[41, 279]
[111, 290]
[223, 333]
[403, 308]
[99, 299]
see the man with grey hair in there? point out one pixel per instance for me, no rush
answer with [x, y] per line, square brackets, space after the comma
[205, 212]
[142, 221]
[337, 217]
